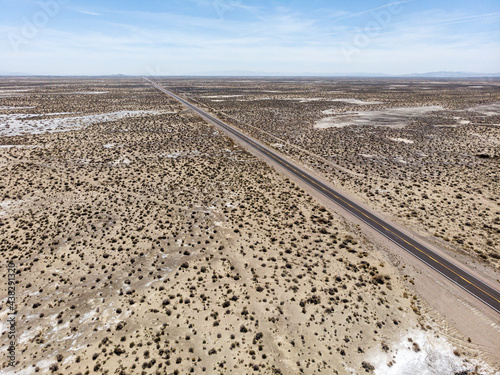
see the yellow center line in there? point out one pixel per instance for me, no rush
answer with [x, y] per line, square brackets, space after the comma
[371, 219]
[387, 229]
[330, 191]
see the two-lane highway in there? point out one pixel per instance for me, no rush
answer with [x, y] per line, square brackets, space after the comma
[466, 281]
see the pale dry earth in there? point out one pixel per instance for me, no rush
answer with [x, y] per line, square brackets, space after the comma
[151, 243]
[426, 153]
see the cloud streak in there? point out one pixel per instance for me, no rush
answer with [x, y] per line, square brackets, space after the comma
[257, 38]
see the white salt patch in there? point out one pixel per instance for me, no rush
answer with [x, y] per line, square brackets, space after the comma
[393, 117]
[123, 160]
[12, 93]
[175, 155]
[72, 93]
[77, 348]
[68, 359]
[3, 325]
[356, 101]
[399, 159]
[60, 327]
[87, 316]
[330, 122]
[329, 112]
[73, 337]
[487, 109]
[110, 317]
[254, 99]
[307, 100]
[14, 90]
[20, 146]
[351, 101]
[434, 358]
[84, 93]
[220, 96]
[44, 363]
[4, 108]
[9, 205]
[28, 335]
[404, 140]
[16, 124]
[5, 93]
[54, 114]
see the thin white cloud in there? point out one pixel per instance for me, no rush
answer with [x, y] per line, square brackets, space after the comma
[371, 10]
[83, 10]
[463, 19]
[89, 12]
[278, 40]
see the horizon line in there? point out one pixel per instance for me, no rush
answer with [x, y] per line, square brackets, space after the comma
[443, 75]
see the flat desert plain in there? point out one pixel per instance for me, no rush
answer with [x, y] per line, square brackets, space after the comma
[145, 241]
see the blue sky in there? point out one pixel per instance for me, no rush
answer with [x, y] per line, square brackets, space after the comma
[189, 37]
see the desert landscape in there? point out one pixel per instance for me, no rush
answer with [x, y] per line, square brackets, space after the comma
[425, 152]
[145, 241]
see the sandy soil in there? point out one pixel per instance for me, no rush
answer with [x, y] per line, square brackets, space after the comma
[439, 178]
[153, 244]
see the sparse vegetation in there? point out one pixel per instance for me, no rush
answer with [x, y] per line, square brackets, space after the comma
[154, 244]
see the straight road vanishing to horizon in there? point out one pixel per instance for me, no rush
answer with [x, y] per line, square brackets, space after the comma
[452, 271]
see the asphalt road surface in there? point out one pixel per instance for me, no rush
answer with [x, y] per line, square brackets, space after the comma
[466, 281]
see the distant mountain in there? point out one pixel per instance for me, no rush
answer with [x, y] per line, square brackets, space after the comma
[15, 74]
[445, 74]
[245, 73]
[441, 74]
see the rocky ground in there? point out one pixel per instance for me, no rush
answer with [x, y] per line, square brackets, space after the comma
[146, 242]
